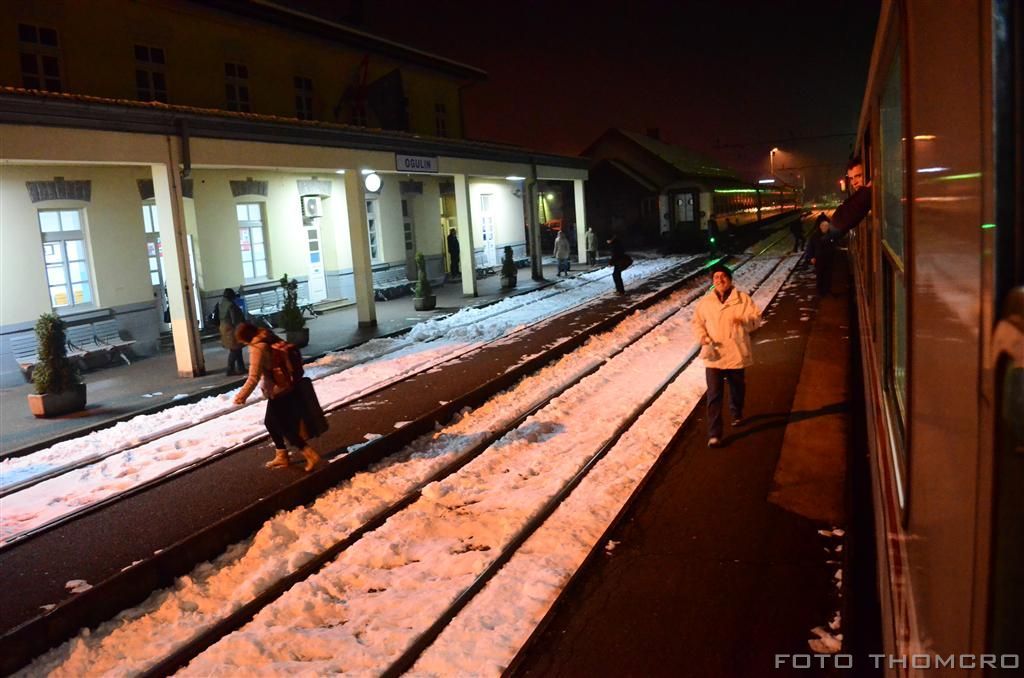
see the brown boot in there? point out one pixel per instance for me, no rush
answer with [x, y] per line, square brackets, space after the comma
[312, 458]
[280, 460]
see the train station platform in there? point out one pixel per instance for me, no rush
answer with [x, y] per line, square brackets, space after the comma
[728, 557]
[150, 384]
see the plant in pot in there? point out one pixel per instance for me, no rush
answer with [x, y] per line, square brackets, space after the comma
[509, 272]
[423, 298]
[59, 389]
[292, 321]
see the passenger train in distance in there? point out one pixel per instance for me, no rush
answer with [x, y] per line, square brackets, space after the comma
[938, 271]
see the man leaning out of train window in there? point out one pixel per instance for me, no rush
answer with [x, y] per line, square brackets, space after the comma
[856, 207]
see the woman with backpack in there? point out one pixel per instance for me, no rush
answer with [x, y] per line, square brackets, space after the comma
[284, 415]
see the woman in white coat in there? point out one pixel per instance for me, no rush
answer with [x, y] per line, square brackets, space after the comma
[723, 321]
[562, 253]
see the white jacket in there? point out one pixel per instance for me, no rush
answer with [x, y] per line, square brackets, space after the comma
[729, 326]
[561, 247]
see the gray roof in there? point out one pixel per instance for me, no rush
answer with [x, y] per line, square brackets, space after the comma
[687, 162]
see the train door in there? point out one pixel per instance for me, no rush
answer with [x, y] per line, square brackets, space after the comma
[685, 212]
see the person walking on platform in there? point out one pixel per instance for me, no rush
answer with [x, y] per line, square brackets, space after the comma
[591, 246]
[562, 253]
[821, 253]
[231, 317]
[284, 414]
[797, 229]
[723, 321]
[620, 262]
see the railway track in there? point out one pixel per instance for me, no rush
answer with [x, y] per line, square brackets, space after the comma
[233, 621]
[13, 538]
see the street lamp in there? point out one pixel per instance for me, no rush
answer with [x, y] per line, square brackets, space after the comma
[771, 161]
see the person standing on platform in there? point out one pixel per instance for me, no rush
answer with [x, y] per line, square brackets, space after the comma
[453, 253]
[591, 246]
[620, 262]
[723, 321]
[821, 253]
[797, 229]
[562, 253]
[284, 414]
[231, 317]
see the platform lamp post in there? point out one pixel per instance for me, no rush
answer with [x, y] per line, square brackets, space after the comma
[771, 162]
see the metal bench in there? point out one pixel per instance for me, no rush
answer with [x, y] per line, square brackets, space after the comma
[304, 303]
[25, 348]
[270, 302]
[107, 334]
[390, 283]
[82, 343]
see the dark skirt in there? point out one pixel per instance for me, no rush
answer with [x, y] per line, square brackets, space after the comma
[284, 418]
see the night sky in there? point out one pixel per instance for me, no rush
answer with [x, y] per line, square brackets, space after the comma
[731, 79]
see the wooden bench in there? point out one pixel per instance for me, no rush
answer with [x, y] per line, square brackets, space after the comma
[107, 334]
[391, 283]
[25, 348]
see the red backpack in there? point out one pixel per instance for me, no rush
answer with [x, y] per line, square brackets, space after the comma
[285, 367]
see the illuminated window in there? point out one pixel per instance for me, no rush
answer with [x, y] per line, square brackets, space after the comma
[373, 230]
[252, 239]
[150, 74]
[236, 87]
[303, 98]
[441, 120]
[66, 257]
[39, 53]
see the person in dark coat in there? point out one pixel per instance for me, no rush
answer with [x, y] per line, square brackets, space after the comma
[821, 252]
[620, 261]
[284, 410]
[797, 229]
[453, 252]
[230, 318]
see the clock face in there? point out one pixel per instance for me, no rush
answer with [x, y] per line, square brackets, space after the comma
[372, 182]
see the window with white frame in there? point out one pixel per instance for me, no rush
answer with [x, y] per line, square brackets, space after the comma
[407, 226]
[251, 236]
[236, 87]
[154, 250]
[441, 120]
[303, 98]
[373, 229]
[150, 74]
[39, 53]
[66, 257]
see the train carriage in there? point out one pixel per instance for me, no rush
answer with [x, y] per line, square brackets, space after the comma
[938, 270]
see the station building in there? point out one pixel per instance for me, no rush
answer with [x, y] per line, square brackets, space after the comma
[154, 153]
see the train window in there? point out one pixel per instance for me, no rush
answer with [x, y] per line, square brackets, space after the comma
[890, 115]
[891, 204]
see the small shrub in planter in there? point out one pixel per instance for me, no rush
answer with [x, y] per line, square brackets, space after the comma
[292, 321]
[59, 388]
[423, 297]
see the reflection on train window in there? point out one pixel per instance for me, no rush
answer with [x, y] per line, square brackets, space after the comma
[890, 140]
[891, 123]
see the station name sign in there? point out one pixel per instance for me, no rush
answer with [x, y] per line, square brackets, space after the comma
[416, 163]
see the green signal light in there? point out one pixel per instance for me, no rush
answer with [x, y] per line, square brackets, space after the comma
[712, 240]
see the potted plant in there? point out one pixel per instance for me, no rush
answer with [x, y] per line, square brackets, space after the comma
[59, 389]
[423, 299]
[292, 321]
[509, 272]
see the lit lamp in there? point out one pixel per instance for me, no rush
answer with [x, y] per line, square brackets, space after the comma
[372, 182]
[771, 161]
